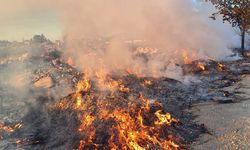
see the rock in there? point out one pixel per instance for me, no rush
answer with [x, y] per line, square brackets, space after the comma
[45, 82]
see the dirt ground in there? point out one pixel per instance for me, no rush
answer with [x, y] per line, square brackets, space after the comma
[229, 124]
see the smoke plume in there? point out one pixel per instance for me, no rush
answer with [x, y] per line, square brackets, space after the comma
[102, 33]
[166, 25]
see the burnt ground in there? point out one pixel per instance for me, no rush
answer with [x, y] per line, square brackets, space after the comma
[37, 76]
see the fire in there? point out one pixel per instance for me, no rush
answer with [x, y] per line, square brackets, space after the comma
[129, 130]
[221, 67]
[18, 142]
[88, 120]
[188, 58]
[18, 126]
[201, 66]
[105, 82]
[124, 89]
[83, 85]
[9, 129]
[70, 61]
[6, 128]
[130, 136]
[164, 118]
[78, 100]
[61, 105]
[147, 82]
[108, 120]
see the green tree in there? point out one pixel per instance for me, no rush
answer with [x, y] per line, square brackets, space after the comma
[237, 13]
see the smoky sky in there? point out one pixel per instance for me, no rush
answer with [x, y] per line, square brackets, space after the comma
[168, 25]
[171, 26]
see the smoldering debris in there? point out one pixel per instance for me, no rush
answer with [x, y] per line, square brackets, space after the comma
[57, 126]
[46, 127]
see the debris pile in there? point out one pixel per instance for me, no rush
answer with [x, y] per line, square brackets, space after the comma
[126, 111]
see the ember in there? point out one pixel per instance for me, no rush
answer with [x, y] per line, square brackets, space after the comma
[221, 67]
[70, 61]
[9, 129]
[201, 66]
[6, 128]
[147, 82]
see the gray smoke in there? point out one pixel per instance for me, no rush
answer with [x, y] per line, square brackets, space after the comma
[170, 26]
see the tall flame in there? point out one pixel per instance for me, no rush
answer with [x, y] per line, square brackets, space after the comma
[134, 125]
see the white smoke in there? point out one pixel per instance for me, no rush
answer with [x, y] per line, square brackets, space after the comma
[170, 26]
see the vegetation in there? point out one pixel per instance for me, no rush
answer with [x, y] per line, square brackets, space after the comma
[237, 13]
[39, 39]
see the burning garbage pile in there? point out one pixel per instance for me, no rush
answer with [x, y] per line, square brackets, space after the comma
[105, 113]
[216, 78]
[114, 110]
[106, 110]
[118, 120]
[192, 64]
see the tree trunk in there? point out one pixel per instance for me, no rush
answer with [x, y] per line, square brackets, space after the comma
[243, 40]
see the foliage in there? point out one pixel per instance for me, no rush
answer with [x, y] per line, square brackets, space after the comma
[236, 12]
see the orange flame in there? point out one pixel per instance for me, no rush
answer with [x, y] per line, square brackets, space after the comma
[147, 82]
[83, 85]
[10, 129]
[201, 66]
[134, 126]
[70, 61]
[130, 131]
[187, 57]
[221, 67]
[6, 128]
[164, 118]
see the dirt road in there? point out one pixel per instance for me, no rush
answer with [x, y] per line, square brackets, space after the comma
[229, 124]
